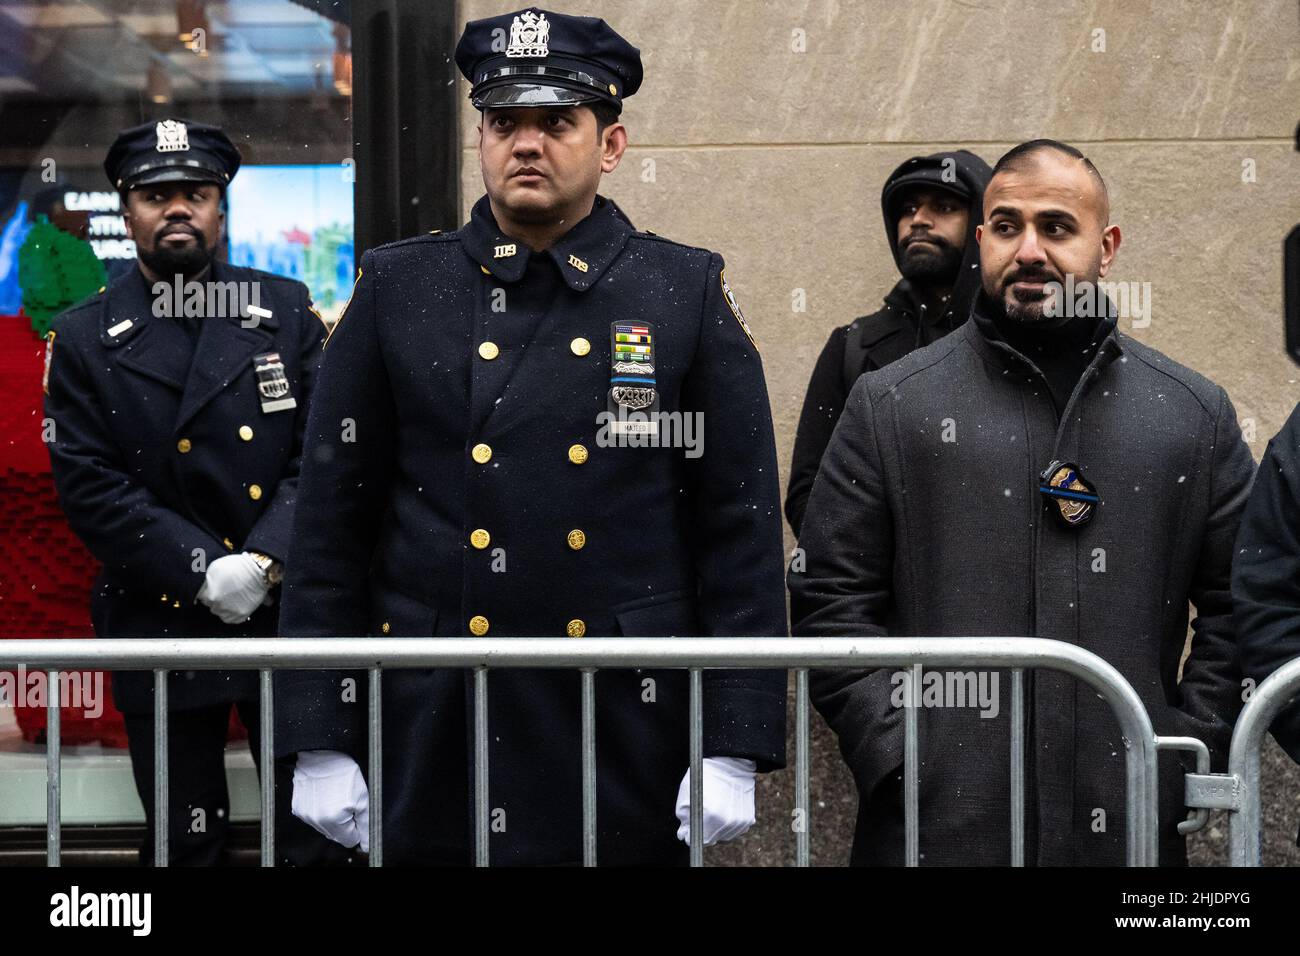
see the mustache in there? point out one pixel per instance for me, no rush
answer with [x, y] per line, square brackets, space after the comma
[1030, 274]
[939, 241]
[172, 228]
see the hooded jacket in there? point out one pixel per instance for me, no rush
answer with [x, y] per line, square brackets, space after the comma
[873, 341]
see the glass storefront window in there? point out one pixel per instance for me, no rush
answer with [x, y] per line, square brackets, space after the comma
[277, 76]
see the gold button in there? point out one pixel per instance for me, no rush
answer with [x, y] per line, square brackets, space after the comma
[577, 539]
[245, 433]
[385, 627]
[176, 604]
[164, 599]
[580, 346]
[613, 89]
[577, 628]
[255, 492]
[480, 538]
[578, 454]
[489, 350]
[183, 446]
[478, 625]
[482, 454]
[230, 545]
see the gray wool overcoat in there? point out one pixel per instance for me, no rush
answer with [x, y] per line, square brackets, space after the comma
[926, 519]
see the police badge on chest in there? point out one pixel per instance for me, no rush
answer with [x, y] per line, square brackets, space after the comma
[272, 384]
[633, 397]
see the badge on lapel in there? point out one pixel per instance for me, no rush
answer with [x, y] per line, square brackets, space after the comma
[1067, 494]
[632, 376]
[272, 383]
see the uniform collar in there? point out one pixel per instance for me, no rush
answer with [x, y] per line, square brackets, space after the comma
[133, 303]
[582, 254]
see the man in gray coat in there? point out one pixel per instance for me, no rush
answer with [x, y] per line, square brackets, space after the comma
[1035, 473]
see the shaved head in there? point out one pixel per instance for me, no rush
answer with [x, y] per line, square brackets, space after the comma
[1026, 155]
[1046, 218]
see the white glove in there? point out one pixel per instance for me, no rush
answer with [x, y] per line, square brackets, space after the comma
[728, 800]
[330, 796]
[234, 587]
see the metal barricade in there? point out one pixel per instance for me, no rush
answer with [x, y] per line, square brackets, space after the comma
[1238, 790]
[590, 655]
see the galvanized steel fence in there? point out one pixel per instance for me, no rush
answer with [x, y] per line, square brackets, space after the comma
[694, 654]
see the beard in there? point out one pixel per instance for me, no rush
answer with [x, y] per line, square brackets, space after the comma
[186, 261]
[1031, 308]
[925, 264]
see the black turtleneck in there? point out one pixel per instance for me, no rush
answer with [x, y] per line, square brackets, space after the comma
[1062, 352]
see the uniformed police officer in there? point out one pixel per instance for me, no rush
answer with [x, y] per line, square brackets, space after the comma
[178, 397]
[479, 463]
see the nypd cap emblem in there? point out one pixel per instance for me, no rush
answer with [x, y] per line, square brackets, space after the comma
[529, 35]
[172, 136]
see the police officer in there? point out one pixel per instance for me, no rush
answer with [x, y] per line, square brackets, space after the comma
[178, 396]
[483, 460]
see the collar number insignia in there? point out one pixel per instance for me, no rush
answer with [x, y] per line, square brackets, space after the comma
[578, 263]
[735, 308]
[272, 384]
[529, 35]
[1067, 494]
[172, 136]
[504, 252]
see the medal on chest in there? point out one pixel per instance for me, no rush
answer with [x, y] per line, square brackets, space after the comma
[633, 396]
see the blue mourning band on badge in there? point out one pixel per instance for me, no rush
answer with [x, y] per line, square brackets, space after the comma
[1067, 494]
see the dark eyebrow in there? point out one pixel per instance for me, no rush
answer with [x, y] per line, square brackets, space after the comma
[1010, 211]
[1058, 215]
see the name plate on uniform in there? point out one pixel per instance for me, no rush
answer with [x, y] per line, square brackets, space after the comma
[272, 383]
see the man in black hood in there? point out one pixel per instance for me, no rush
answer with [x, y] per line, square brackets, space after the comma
[932, 205]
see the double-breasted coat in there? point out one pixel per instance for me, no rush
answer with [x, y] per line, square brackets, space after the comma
[165, 459]
[459, 480]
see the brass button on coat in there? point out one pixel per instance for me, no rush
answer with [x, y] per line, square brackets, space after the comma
[478, 625]
[580, 346]
[245, 433]
[255, 492]
[482, 454]
[183, 446]
[577, 539]
[577, 628]
[385, 627]
[578, 454]
[489, 350]
[230, 545]
[480, 538]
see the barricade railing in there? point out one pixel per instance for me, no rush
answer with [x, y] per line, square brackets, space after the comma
[1238, 790]
[589, 655]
